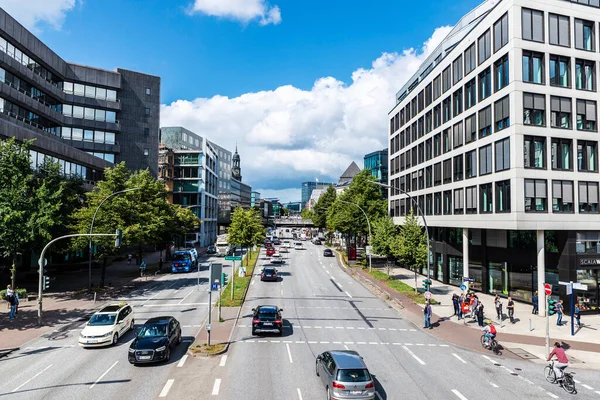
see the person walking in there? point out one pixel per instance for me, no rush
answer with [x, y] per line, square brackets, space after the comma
[16, 294]
[427, 315]
[461, 300]
[160, 264]
[12, 303]
[510, 306]
[479, 313]
[578, 315]
[535, 300]
[474, 304]
[455, 303]
[559, 312]
[498, 306]
[9, 292]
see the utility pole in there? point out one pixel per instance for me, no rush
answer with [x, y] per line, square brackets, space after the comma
[209, 314]
[232, 278]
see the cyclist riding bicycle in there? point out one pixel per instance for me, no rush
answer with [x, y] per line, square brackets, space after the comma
[490, 332]
[563, 361]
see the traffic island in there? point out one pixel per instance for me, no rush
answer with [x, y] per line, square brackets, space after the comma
[206, 350]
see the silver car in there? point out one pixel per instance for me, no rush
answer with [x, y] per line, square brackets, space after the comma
[345, 375]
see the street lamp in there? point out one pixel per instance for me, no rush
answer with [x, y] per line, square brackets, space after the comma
[422, 216]
[368, 224]
[92, 228]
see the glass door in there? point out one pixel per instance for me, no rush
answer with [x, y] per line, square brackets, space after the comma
[498, 278]
[588, 300]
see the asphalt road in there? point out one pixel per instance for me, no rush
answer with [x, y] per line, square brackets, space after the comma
[55, 367]
[325, 309]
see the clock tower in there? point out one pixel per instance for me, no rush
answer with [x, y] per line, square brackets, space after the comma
[236, 171]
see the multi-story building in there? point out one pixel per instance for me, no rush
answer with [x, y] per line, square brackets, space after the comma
[189, 165]
[295, 207]
[496, 139]
[314, 198]
[254, 199]
[85, 118]
[225, 171]
[307, 189]
[377, 162]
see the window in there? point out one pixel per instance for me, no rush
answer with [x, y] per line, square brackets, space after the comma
[421, 126]
[447, 140]
[502, 154]
[585, 75]
[485, 84]
[459, 201]
[470, 59]
[429, 205]
[534, 109]
[148, 92]
[560, 108]
[428, 122]
[471, 128]
[437, 203]
[446, 79]
[562, 154]
[532, 25]
[470, 94]
[447, 109]
[534, 151]
[421, 180]
[413, 107]
[458, 168]
[503, 196]
[485, 160]
[421, 100]
[437, 145]
[437, 174]
[428, 149]
[428, 179]
[471, 193]
[428, 95]
[562, 196]
[458, 134]
[535, 195]
[448, 171]
[458, 102]
[421, 153]
[146, 131]
[586, 156]
[146, 152]
[437, 116]
[559, 30]
[485, 198]
[147, 111]
[586, 115]
[437, 88]
[501, 33]
[484, 46]
[448, 202]
[588, 197]
[585, 39]
[485, 122]
[533, 67]
[560, 71]
[457, 69]
[501, 114]
[471, 164]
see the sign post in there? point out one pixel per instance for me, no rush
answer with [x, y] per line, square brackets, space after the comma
[570, 286]
[220, 292]
[209, 316]
[547, 293]
[233, 259]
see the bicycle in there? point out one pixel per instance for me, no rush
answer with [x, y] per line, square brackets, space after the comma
[568, 382]
[493, 345]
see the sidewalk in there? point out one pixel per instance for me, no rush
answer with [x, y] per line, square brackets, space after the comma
[220, 332]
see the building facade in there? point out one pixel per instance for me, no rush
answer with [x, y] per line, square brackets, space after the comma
[377, 162]
[495, 138]
[307, 189]
[254, 199]
[85, 118]
[189, 166]
[295, 207]
[225, 171]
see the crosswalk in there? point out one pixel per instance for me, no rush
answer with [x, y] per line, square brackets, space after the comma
[358, 328]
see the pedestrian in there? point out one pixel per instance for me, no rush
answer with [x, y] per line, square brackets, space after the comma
[498, 306]
[129, 258]
[578, 315]
[535, 300]
[427, 315]
[559, 312]
[455, 303]
[16, 294]
[8, 293]
[160, 264]
[142, 268]
[12, 303]
[461, 300]
[474, 305]
[510, 306]
[479, 313]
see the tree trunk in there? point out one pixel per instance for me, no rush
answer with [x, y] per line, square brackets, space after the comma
[13, 273]
[103, 272]
[140, 251]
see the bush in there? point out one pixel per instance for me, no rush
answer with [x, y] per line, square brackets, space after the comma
[21, 292]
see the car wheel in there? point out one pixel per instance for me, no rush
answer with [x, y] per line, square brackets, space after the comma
[317, 368]
[131, 325]
[115, 339]
[168, 355]
[179, 338]
[253, 332]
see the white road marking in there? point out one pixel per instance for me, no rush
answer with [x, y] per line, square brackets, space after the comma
[493, 384]
[289, 353]
[147, 300]
[587, 386]
[493, 361]
[459, 358]
[444, 345]
[349, 295]
[337, 285]
[182, 361]
[216, 387]
[552, 395]
[458, 394]
[30, 379]
[282, 292]
[361, 342]
[252, 282]
[275, 341]
[300, 341]
[299, 393]
[373, 343]
[349, 342]
[346, 347]
[165, 391]
[324, 342]
[223, 360]
[413, 355]
[597, 392]
[174, 305]
[102, 376]
[525, 379]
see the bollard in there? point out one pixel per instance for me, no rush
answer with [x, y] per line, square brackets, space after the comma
[95, 293]
[530, 328]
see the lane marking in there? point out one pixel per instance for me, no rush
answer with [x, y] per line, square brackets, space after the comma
[493, 361]
[182, 361]
[349, 295]
[299, 393]
[587, 386]
[282, 292]
[552, 395]
[525, 379]
[104, 374]
[216, 387]
[289, 353]
[252, 282]
[458, 394]
[165, 391]
[493, 384]
[337, 285]
[173, 305]
[413, 355]
[459, 358]
[346, 347]
[30, 379]
[223, 360]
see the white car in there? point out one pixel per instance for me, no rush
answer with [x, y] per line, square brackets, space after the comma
[286, 243]
[107, 326]
[284, 249]
[276, 259]
[298, 246]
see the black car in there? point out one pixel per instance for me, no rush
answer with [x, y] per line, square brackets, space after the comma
[268, 274]
[327, 253]
[211, 250]
[267, 318]
[155, 340]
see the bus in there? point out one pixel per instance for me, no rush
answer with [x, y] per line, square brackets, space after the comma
[223, 247]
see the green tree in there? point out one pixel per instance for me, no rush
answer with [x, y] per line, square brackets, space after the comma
[246, 229]
[385, 235]
[411, 248]
[306, 214]
[319, 217]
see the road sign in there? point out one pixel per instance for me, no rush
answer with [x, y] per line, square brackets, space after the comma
[215, 286]
[233, 258]
[369, 250]
[547, 289]
[569, 290]
[216, 271]
[208, 327]
[463, 287]
[579, 286]
[467, 279]
[427, 295]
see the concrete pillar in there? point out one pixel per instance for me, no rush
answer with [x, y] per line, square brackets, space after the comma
[465, 251]
[541, 272]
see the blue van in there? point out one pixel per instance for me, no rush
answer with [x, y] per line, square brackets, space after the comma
[183, 261]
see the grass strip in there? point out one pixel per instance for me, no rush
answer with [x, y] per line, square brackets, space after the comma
[400, 286]
[240, 283]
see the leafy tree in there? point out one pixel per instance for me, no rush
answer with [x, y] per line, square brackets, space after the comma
[385, 235]
[306, 214]
[319, 217]
[246, 229]
[284, 212]
[411, 248]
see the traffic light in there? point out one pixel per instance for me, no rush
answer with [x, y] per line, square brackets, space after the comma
[46, 282]
[119, 238]
[426, 284]
[552, 307]
[224, 280]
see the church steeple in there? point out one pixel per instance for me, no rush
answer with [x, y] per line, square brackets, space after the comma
[236, 172]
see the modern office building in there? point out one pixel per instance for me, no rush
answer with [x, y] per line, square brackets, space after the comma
[189, 166]
[225, 171]
[295, 207]
[254, 199]
[85, 118]
[496, 139]
[308, 187]
[377, 162]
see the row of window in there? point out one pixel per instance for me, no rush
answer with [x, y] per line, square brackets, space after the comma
[27, 61]
[88, 135]
[90, 91]
[27, 116]
[104, 156]
[30, 90]
[559, 71]
[561, 154]
[93, 114]
[67, 168]
[534, 112]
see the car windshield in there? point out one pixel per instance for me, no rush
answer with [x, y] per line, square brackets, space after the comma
[102, 319]
[269, 271]
[181, 257]
[353, 375]
[153, 330]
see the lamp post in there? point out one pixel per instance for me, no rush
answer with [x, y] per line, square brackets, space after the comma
[92, 228]
[422, 216]
[368, 224]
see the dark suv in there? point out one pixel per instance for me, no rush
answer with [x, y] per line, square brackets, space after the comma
[155, 340]
[267, 318]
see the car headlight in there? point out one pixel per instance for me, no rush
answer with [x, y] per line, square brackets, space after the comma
[162, 348]
[106, 334]
[131, 350]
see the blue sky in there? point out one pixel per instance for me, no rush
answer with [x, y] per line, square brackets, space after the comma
[267, 72]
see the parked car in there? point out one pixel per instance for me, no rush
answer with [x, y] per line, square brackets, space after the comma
[269, 274]
[107, 326]
[211, 250]
[267, 318]
[327, 253]
[345, 375]
[155, 340]
[277, 259]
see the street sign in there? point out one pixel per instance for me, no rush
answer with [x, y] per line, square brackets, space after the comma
[579, 286]
[233, 258]
[463, 287]
[467, 279]
[569, 290]
[427, 295]
[208, 327]
[369, 250]
[216, 271]
[215, 286]
[547, 289]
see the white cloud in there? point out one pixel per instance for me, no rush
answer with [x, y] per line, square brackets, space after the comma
[30, 13]
[284, 195]
[289, 135]
[240, 10]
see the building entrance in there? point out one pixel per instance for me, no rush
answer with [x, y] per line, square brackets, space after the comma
[588, 300]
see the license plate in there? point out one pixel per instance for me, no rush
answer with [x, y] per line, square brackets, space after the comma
[267, 323]
[144, 357]
[354, 392]
[91, 341]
